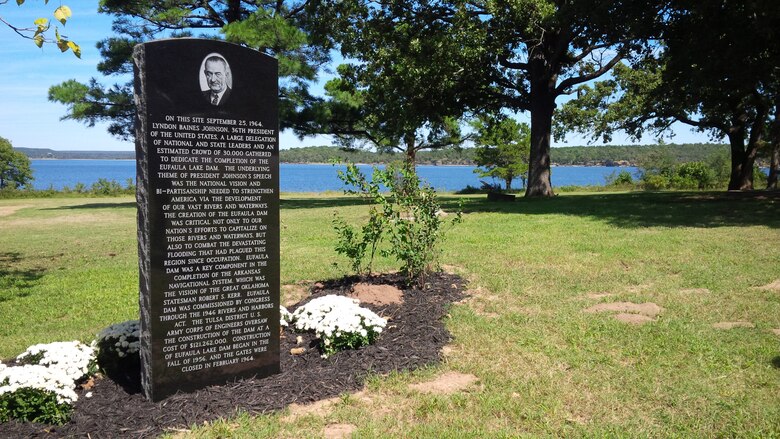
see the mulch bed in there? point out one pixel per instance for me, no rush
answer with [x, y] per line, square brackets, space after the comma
[413, 338]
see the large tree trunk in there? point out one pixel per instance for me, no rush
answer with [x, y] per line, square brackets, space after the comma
[774, 165]
[542, 107]
[743, 157]
[539, 184]
[774, 152]
[741, 178]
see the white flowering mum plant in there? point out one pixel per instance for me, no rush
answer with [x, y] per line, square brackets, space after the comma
[339, 322]
[118, 346]
[35, 393]
[41, 387]
[285, 317]
[74, 358]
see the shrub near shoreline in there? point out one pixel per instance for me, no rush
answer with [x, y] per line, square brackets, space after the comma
[101, 188]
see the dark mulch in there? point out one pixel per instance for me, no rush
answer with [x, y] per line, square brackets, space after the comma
[413, 338]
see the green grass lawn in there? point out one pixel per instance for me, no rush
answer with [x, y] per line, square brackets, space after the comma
[68, 268]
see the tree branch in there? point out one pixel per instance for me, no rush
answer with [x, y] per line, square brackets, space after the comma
[570, 82]
[18, 30]
[702, 123]
[562, 41]
[504, 61]
[357, 133]
[294, 11]
[442, 144]
[210, 10]
[588, 50]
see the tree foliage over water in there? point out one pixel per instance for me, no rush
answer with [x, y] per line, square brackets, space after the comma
[491, 55]
[717, 69]
[502, 149]
[15, 169]
[416, 69]
[401, 88]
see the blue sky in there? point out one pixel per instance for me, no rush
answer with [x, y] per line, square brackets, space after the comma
[28, 119]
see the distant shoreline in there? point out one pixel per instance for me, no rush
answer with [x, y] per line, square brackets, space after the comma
[554, 165]
[611, 156]
[58, 158]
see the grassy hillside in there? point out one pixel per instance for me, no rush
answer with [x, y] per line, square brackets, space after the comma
[545, 367]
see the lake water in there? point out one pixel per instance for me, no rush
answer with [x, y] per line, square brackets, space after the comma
[300, 178]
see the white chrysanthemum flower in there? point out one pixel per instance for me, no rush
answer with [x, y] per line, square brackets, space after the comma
[39, 377]
[73, 358]
[285, 317]
[121, 339]
[338, 321]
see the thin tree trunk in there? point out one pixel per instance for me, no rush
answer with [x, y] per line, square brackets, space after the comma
[233, 13]
[411, 151]
[409, 185]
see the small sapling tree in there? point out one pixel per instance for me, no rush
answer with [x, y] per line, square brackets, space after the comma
[403, 213]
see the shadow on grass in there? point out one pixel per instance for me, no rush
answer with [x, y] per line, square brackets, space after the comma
[16, 283]
[95, 206]
[627, 210]
[776, 362]
[310, 202]
[645, 209]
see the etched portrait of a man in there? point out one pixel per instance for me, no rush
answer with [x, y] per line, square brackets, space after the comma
[215, 79]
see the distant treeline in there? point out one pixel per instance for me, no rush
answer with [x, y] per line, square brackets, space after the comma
[328, 154]
[635, 155]
[44, 153]
[609, 155]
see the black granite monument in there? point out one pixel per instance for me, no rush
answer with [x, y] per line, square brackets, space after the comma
[208, 213]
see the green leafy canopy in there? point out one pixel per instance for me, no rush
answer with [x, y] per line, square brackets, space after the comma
[15, 171]
[280, 29]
